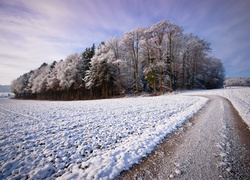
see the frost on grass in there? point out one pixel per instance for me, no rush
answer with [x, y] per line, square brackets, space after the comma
[85, 139]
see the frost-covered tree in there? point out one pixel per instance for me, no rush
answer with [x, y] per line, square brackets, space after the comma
[21, 86]
[160, 47]
[52, 81]
[69, 76]
[237, 82]
[102, 72]
[213, 73]
[148, 60]
[152, 59]
[173, 36]
[114, 45]
[131, 43]
[37, 77]
[158, 32]
[194, 51]
[39, 80]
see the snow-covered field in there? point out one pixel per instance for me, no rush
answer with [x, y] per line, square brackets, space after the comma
[85, 139]
[239, 97]
[93, 139]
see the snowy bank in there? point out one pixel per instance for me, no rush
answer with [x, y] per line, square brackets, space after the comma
[85, 139]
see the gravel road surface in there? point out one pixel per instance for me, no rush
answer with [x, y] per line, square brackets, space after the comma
[214, 144]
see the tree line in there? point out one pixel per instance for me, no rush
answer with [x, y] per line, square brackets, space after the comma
[154, 59]
[237, 82]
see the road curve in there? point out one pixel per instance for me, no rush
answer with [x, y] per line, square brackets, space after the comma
[214, 144]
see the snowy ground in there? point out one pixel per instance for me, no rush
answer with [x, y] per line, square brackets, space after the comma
[239, 97]
[93, 139]
[85, 139]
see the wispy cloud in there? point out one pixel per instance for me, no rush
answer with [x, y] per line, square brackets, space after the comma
[32, 32]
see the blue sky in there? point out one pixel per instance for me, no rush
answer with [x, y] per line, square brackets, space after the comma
[33, 32]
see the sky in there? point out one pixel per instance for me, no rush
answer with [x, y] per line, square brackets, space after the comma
[33, 32]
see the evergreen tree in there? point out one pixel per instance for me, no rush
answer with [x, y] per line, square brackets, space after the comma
[87, 55]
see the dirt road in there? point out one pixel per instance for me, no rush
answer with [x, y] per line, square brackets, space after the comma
[215, 144]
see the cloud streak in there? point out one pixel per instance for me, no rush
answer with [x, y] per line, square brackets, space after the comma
[33, 32]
